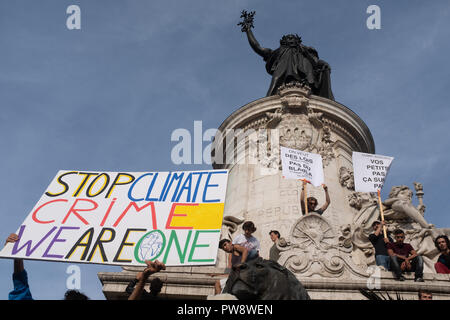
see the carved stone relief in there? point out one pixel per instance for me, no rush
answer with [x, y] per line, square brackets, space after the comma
[314, 248]
[346, 178]
[294, 125]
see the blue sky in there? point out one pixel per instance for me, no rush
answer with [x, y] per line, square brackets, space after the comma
[107, 97]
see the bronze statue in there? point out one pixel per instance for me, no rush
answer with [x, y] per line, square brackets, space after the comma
[260, 279]
[291, 62]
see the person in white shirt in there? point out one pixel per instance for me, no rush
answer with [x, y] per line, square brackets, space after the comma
[248, 241]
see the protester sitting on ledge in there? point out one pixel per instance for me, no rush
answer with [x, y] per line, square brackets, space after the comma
[442, 243]
[312, 202]
[379, 242]
[403, 258]
[239, 254]
[247, 239]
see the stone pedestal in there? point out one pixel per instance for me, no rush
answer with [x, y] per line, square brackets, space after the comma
[324, 252]
[257, 190]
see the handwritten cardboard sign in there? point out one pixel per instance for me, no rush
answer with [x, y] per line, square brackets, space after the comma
[370, 171]
[302, 165]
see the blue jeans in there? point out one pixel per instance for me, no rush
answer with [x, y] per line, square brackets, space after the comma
[383, 261]
[416, 266]
[252, 254]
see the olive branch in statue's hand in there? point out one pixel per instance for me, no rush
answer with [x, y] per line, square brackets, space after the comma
[247, 23]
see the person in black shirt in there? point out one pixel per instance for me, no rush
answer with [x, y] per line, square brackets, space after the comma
[379, 243]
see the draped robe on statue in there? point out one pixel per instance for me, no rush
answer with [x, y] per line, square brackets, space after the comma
[299, 63]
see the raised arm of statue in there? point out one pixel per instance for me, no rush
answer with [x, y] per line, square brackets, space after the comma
[246, 26]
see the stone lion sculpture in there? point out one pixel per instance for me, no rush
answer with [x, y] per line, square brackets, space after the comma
[261, 279]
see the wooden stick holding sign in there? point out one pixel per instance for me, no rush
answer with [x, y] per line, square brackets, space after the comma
[304, 193]
[370, 172]
[382, 213]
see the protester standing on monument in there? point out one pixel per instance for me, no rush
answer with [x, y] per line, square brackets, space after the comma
[442, 243]
[274, 253]
[141, 278]
[312, 202]
[403, 258]
[379, 242]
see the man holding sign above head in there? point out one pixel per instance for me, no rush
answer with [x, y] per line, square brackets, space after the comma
[380, 243]
[370, 171]
[305, 166]
[312, 202]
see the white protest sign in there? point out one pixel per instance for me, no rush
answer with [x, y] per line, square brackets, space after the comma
[302, 165]
[125, 218]
[370, 171]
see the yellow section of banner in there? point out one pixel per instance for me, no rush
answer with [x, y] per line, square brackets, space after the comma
[199, 216]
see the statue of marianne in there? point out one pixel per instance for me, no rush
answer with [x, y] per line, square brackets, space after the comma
[291, 62]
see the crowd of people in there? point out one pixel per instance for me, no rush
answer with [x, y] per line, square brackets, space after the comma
[391, 254]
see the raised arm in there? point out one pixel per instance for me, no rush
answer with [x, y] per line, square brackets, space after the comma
[327, 199]
[246, 26]
[18, 263]
[152, 267]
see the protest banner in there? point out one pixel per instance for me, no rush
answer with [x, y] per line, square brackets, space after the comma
[370, 171]
[302, 165]
[125, 218]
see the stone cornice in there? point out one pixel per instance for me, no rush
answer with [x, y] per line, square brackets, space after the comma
[338, 117]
